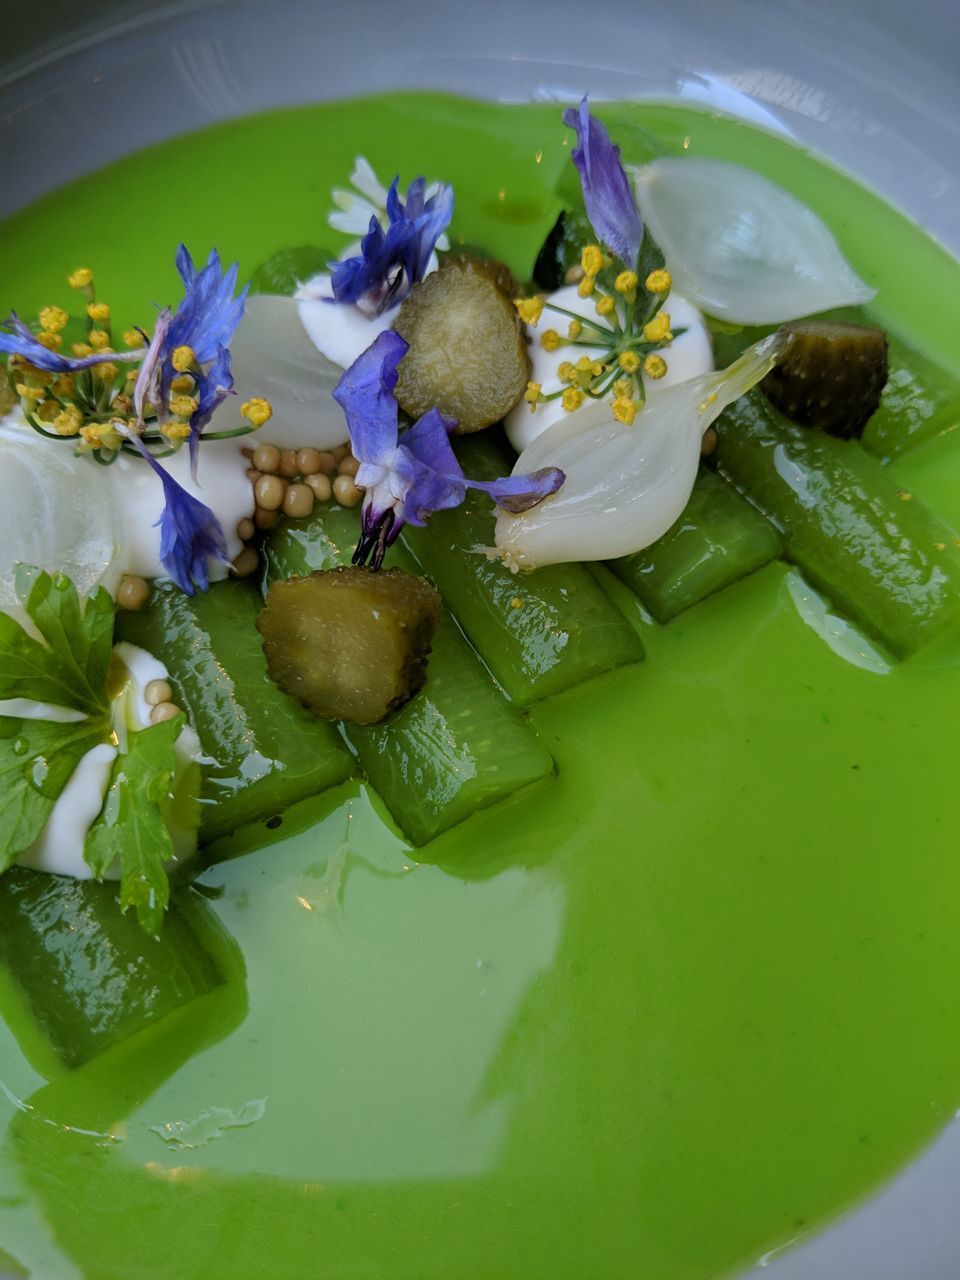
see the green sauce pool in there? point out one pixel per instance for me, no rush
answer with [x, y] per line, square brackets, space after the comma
[650, 1019]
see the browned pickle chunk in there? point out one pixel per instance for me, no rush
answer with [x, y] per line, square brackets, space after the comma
[468, 354]
[349, 643]
[830, 377]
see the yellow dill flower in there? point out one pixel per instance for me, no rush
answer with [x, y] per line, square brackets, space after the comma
[625, 410]
[629, 361]
[549, 339]
[26, 392]
[99, 312]
[566, 372]
[68, 421]
[176, 430]
[183, 406]
[586, 286]
[99, 339]
[133, 338]
[591, 260]
[52, 319]
[81, 348]
[532, 395]
[572, 399]
[108, 372]
[658, 329]
[183, 359]
[587, 368]
[623, 388]
[654, 367]
[530, 309]
[626, 282]
[658, 281]
[64, 386]
[122, 404]
[574, 328]
[47, 410]
[183, 382]
[100, 435]
[257, 411]
[52, 341]
[605, 305]
[82, 278]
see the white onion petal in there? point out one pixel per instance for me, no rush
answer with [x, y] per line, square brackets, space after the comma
[625, 485]
[739, 246]
[273, 357]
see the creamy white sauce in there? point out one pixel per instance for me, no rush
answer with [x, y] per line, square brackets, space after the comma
[688, 356]
[64, 513]
[59, 847]
[340, 330]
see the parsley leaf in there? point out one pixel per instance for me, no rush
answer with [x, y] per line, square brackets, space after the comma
[131, 824]
[37, 759]
[70, 669]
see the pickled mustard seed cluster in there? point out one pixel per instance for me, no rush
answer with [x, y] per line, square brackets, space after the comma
[630, 338]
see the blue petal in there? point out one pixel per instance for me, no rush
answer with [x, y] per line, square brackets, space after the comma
[209, 313]
[521, 492]
[429, 442]
[365, 394]
[213, 387]
[611, 207]
[22, 342]
[190, 534]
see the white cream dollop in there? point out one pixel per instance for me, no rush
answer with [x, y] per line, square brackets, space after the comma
[688, 356]
[59, 847]
[63, 513]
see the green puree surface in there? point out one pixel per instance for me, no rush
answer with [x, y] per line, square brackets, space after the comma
[647, 1022]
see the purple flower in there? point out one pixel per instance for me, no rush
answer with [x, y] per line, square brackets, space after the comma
[390, 262]
[611, 207]
[20, 341]
[190, 534]
[406, 477]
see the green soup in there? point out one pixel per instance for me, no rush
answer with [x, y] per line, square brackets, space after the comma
[650, 1019]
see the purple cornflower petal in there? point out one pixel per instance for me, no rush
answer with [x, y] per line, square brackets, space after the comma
[390, 262]
[407, 477]
[611, 207]
[190, 534]
[208, 316]
[147, 386]
[213, 387]
[22, 342]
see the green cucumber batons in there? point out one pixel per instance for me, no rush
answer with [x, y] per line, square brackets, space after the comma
[830, 377]
[468, 353]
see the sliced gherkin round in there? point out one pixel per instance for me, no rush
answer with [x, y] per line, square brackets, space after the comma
[831, 375]
[468, 353]
[350, 643]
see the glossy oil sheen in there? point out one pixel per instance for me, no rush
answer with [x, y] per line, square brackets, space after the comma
[647, 1021]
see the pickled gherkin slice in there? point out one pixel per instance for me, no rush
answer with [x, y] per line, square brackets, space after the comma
[350, 643]
[830, 376]
[468, 354]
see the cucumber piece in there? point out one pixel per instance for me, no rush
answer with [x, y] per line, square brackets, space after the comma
[287, 269]
[719, 539]
[89, 973]
[921, 400]
[872, 548]
[457, 746]
[539, 633]
[266, 751]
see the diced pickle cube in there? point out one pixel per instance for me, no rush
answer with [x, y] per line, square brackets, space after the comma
[350, 643]
[468, 354]
[831, 375]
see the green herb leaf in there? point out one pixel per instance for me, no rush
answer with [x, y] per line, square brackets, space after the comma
[37, 759]
[131, 824]
[70, 669]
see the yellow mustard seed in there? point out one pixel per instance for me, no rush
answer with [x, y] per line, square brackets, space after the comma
[53, 319]
[82, 278]
[654, 367]
[133, 593]
[516, 603]
[257, 411]
[550, 340]
[572, 399]
[658, 281]
[530, 309]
